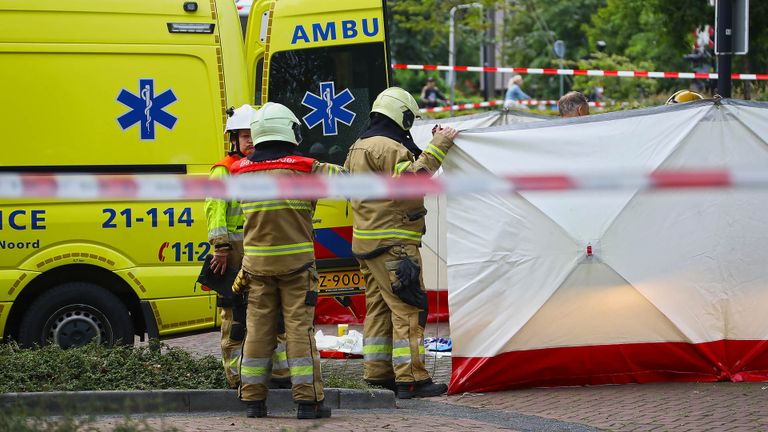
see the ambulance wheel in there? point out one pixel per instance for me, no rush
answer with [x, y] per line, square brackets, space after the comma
[74, 314]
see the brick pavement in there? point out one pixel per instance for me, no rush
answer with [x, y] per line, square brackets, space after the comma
[341, 421]
[681, 407]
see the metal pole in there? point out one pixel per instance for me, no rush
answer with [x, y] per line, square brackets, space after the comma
[724, 36]
[483, 76]
[559, 48]
[452, 58]
[452, 48]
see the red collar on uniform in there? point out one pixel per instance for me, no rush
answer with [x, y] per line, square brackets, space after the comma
[296, 163]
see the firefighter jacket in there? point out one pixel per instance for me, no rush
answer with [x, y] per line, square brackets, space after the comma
[383, 223]
[224, 217]
[278, 233]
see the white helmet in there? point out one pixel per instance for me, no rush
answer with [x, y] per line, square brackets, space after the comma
[275, 122]
[398, 105]
[240, 118]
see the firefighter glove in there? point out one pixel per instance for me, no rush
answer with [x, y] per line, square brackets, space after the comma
[407, 286]
[241, 282]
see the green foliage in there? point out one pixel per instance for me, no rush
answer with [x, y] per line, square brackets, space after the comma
[757, 59]
[534, 25]
[615, 88]
[413, 81]
[531, 30]
[651, 35]
[419, 34]
[95, 367]
[419, 31]
[637, 30]
[629, 29]
[337, 379]
[660, 32]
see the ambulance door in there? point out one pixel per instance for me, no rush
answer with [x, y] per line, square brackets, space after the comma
[101, 88]
[256, 42]
[327, 62]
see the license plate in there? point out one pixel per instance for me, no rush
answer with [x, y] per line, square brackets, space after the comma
[341, 283]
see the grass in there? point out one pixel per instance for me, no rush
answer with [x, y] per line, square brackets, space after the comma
[96, 367]
[338, 380]
[346, 373]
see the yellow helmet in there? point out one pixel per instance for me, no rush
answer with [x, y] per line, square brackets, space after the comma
[681, 96]
[275, 122]
[398, 105]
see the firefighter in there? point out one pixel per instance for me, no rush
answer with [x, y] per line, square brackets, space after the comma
[681, 96]
[225, 232]
[386, 239]
[278, 271]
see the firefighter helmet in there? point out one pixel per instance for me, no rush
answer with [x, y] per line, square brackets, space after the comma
[239, 118]
[275, 122]
[398, 105]
[681, 96]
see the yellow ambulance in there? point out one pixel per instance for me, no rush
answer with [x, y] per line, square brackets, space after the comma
[326, 61]
[142, 87]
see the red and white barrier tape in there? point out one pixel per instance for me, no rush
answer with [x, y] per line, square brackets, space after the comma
[586, 72]
[460, 107]
[529, 102]
[264, 187]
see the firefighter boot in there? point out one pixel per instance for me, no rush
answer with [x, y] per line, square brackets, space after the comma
[256, 409]
[424, 388]
[312, 410]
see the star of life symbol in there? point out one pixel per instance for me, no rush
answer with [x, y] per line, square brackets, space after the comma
[328, 108]
[146, 109]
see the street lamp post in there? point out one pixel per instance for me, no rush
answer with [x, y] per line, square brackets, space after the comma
[452, 47]
[559, 49]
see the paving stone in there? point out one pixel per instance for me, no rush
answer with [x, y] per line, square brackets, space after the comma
[622, 408]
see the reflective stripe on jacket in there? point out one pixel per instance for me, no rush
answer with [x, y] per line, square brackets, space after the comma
[225, 218]
[381, 223]
[278, 233]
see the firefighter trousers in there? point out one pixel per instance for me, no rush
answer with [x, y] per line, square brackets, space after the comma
[393, 336]
[233, 334]
[296, 295]
[231, 348]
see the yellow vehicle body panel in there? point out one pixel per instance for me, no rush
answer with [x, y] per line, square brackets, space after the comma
[172, 317]
[113, 87]
[12, 282]
[299, 24]
[102, 22]
[302, 53]
[157, 248]
[5, 310]
[76, 58]
[107, 87]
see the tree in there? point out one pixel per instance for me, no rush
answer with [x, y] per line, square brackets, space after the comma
[419, 35]
[660, 32]
[615, 88]
[640, 35]
[532, 28]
